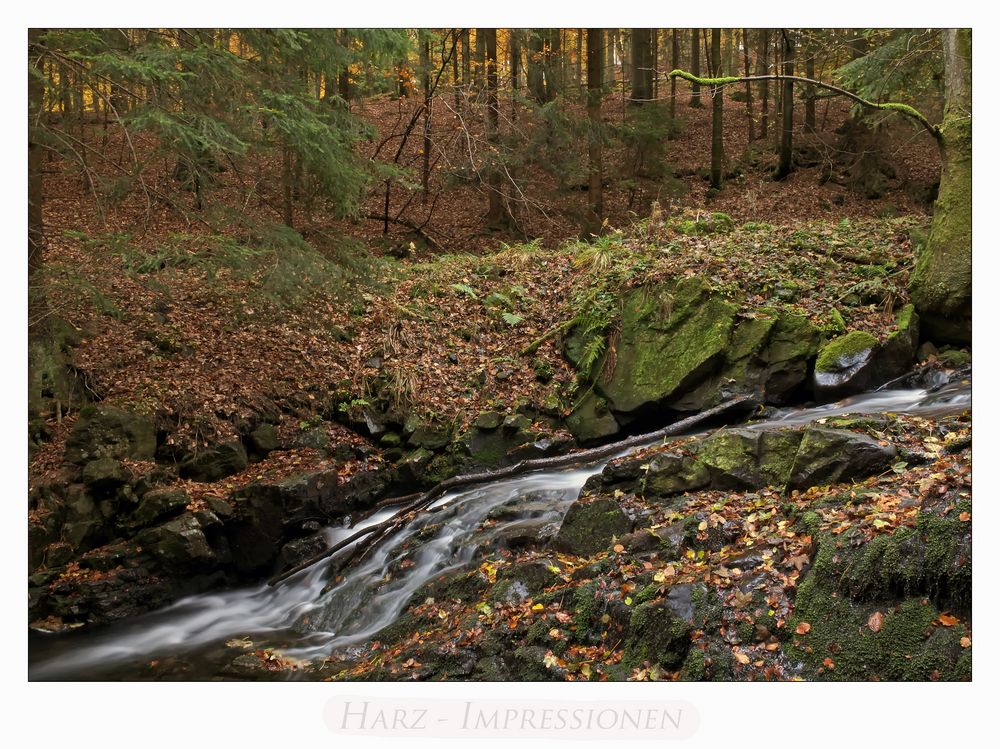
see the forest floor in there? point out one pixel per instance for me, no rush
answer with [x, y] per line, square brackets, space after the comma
[200, 322]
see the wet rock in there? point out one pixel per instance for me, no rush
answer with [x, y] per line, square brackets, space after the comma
[589, 527]
[215, 463]
[829, 456]
[488, 420]
[105, 475]
[592, 421]
[104, 431]
[159, 504]
[528, 664]
[300, 549]
[177, 543]
[264, 439]
[266, 513]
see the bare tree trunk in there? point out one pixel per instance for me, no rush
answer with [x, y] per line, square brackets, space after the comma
[466, 60]
[497, 215]
[785, 152]
[717, 101]
[456, 80]
[595, 184]
[642, 74]
[810, 92]
[675, 61]
[425, 70]
[37, 302]
[695, 69]
[579, 56]
[749, 89]
[536, 66]
[764, 42]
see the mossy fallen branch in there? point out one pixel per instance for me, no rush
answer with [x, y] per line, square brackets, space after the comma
[379, 531]
[891, 106]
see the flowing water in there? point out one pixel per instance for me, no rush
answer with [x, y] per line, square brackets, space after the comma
[308, 616]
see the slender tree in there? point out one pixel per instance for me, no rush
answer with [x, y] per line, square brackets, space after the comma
[675, 61]
[642, 66]
[425, 84]
[763, 41]
[595, 185]
[784, 167]
[717, 100]
[497, 215]
[695, 69]
[37, 303]
[749, 89]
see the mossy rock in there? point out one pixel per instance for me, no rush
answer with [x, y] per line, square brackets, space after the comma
[589, 527]
[657, 636]
[215, 463]
[591, 421]
[909, 577]
[845, 352]
[108, 432]
[671, 338]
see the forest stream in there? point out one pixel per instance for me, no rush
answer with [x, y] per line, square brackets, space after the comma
[308, 617]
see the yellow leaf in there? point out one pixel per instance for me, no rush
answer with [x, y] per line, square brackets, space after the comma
[741, 657]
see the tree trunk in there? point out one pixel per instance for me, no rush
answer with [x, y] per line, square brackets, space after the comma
[480, 62]
[579, 56]
[717, 100]
[595, 185]
[425, 71]
[466, 60]
[642, 66]
[810, 92]
[785, 152]
[536, 74]
[37, 300]
[609, 53]
[675, 61]
[749, 89]
[764, 88]
[497, 216]
[456, 79]
[695, 69]
[941, 284]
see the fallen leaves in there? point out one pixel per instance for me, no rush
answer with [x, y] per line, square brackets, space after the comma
[803, 628]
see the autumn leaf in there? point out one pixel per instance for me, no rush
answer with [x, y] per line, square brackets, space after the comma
[875, 621]
[947, 620]
[965, 642]
[741, 657]
[828, 662]
[618, 548]
[803, 628]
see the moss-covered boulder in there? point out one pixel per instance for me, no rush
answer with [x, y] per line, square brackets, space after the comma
[108, 432]
[589, 527]
[656, 636]
[158, 504]
[671, 337]
[874, 609]
[856, 361]
[740, 459]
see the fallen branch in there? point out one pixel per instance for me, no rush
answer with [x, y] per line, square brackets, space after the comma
[555, 330]
[409, 511]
